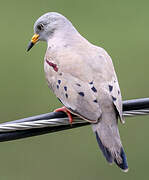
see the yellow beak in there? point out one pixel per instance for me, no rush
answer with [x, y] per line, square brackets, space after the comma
[33, 41]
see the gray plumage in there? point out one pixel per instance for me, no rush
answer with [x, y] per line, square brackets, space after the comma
[83, 77]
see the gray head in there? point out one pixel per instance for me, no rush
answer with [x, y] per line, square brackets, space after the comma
[48, 25]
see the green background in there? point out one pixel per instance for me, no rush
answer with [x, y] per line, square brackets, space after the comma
[122, 28]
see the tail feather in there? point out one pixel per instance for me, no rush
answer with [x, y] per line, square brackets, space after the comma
[104, 150]
[123, 165]
[110, 156]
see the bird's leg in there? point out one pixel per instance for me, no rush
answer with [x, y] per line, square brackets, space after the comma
[65, 110]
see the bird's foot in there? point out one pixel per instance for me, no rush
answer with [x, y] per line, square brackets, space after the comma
[65, 110]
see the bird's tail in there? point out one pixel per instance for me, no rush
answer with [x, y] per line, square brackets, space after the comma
[110, 144]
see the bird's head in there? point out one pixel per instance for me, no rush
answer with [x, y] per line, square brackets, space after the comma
[46, 26]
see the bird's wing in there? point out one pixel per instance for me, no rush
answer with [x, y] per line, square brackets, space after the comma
[106, 79]
[116, 97]
[84, 81]
[77, 96]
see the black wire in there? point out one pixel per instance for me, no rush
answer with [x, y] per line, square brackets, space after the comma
[9, 136]
[135, 104]
[129, 105]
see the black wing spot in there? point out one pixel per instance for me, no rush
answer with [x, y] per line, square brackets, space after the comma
[57, 86]
[66, 95]
[118, 91]
[65, 88]
[78, 84]
[81, 94]
[60, 74]
[94, 89]
[91, 82]
[95, 101]
[114, 98]
[110, 88]
[59, 81]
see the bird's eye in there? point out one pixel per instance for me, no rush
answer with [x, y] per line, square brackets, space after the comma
[40, 27]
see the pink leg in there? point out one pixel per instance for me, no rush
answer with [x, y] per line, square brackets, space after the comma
[65, 110]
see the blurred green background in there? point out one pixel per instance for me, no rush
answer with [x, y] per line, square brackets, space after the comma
[122, 28]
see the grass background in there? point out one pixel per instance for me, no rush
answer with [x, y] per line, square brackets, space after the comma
[122, 28]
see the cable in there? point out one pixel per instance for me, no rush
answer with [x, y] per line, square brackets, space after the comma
[58, 121]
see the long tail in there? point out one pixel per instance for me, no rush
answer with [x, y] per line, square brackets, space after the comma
[108, 139]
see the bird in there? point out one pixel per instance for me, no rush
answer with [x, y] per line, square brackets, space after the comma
[83, 78]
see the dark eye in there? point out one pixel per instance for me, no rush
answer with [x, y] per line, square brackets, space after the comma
[40, 27]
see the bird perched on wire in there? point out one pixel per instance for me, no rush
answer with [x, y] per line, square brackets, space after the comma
[83, 78]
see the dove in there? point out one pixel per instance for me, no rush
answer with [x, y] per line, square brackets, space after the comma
[83, 78]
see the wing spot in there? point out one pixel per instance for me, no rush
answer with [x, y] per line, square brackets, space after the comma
[66, 95]
[114, 98]
[95, 101]
[118, 91]
[91, 82]
[78, 84]
[110, 88]
[57, 86]
[65, 88]
[81, 94]
[59, 81]
[94, 89]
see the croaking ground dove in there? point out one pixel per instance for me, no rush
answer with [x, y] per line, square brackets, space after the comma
[83, 78]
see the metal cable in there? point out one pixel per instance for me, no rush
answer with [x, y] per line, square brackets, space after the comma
[8, 127]
[58, 121]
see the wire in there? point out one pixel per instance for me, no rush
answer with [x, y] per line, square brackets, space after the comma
[58, 121]
[18, 126]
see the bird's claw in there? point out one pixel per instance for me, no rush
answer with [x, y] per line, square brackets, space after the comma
[65, 110]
